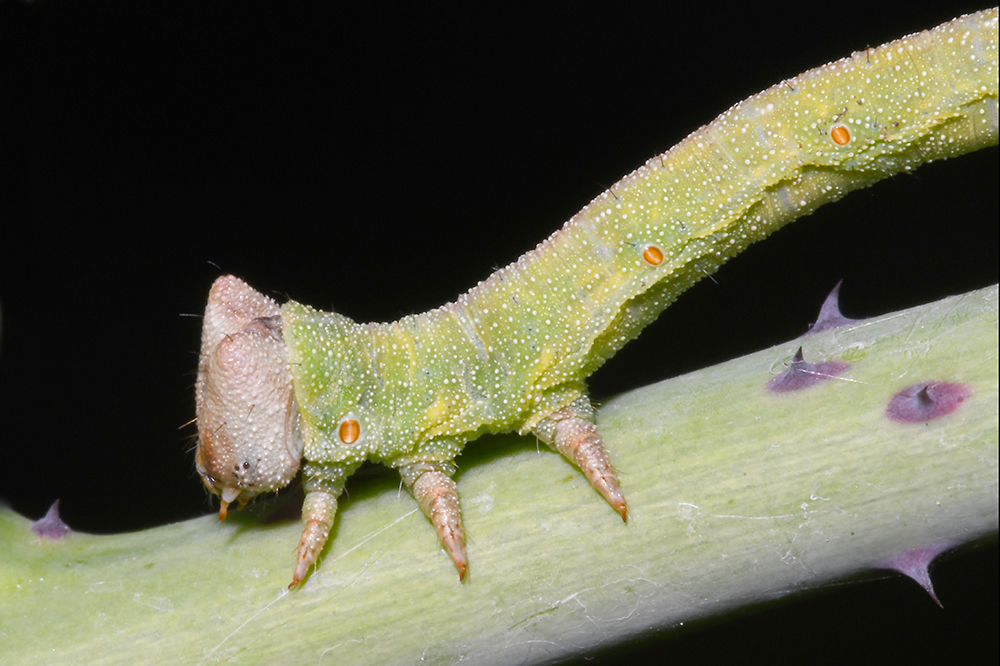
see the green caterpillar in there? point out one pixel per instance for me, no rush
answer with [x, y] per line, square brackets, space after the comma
[281, 387]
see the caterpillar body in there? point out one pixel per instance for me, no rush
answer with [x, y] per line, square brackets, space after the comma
[284, 387]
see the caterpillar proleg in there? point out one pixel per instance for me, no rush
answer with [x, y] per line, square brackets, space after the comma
[284, 387]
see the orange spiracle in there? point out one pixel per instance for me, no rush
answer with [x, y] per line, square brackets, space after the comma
[349, 431]
[653, 255]
[840, 135]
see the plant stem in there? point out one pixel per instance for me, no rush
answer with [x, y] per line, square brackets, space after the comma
[736, 495]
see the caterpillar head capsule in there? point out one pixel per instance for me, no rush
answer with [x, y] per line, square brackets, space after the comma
[249, 440]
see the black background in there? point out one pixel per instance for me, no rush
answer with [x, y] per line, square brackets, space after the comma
[383, 160]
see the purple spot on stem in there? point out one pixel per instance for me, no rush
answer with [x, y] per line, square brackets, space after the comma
[801, 375]
[51, 526]
[829, 314]
[919, 403]
[916, 564]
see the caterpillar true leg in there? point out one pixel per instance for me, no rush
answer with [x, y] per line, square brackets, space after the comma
[572, 432]
[318, 512]
[434, 489]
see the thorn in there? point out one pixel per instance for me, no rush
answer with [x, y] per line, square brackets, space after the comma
[51, 527]
[801, 375]
[799, 359]
[926, 401]
[924, 397]
[829, 314]
[916, 564]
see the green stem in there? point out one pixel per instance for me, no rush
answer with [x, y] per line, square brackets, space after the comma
[736, 495]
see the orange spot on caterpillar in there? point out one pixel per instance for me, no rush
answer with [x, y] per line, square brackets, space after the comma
[840, 135]
[653, 255]
[349, 431]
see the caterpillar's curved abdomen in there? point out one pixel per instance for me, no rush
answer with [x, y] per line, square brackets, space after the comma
[520, 344]
[580, 295]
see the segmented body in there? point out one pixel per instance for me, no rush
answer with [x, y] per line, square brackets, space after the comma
[518, 346]
[514, 352]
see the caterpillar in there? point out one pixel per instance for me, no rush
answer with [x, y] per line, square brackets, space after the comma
[284, 389]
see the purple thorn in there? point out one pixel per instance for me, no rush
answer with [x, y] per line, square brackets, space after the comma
[829, 314]
[51, 526]
[916, 565]
[919, 403]
[801, 375]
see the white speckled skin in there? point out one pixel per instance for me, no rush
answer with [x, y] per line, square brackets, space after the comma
[514, 352]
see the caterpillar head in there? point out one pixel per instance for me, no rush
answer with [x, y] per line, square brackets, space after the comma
[249, 440]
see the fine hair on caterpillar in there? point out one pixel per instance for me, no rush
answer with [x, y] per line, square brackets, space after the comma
[288, 388]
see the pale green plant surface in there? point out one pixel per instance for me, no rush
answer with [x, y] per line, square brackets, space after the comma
[737, 495]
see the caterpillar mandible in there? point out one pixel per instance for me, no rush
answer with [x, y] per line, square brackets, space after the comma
[284, 387]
